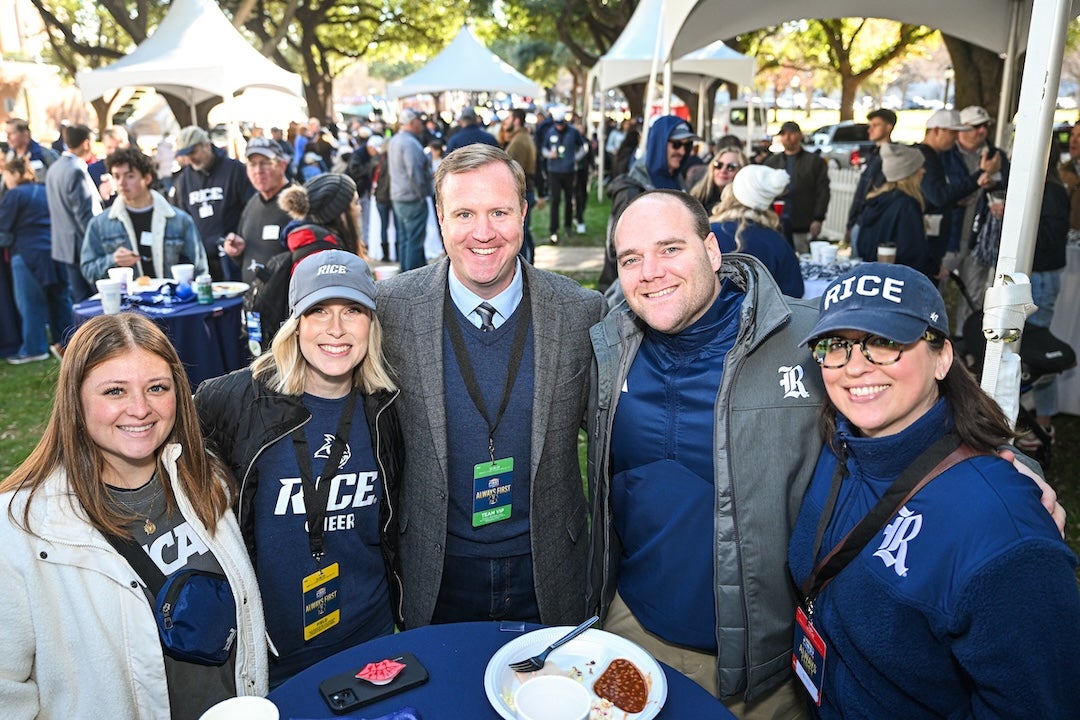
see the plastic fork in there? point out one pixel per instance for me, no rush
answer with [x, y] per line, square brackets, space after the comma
[537, 661]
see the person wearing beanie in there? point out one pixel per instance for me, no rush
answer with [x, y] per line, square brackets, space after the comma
[323, 208]
[893, 214]
[744, 222]
[317, 413]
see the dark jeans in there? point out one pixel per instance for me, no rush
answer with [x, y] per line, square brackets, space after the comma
[385, 218]
[411, 228]
[479, 589]
[39, 305]
[581, 194]
[561, 187]
[80, 288]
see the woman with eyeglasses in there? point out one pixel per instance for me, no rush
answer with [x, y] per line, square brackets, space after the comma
[722, 169]
[934, 583]
[745, 222]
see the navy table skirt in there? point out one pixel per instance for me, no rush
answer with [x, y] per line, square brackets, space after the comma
[208, 338]
[456, 657]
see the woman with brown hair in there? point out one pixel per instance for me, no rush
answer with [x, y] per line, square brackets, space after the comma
[122, 458]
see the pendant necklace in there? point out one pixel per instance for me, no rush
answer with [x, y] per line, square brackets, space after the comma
[148, 525]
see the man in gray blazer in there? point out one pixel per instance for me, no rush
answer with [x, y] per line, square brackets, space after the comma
[492, 359]
[73, 201]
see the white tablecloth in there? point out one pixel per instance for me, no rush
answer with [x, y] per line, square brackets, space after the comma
[1066, 325]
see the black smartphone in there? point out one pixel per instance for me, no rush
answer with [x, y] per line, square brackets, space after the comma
[346, 692]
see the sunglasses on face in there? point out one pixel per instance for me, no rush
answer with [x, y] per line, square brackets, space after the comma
[730, 167]
[686, 145]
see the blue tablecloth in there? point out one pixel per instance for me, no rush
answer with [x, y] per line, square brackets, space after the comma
[208, 338]
[456, 657]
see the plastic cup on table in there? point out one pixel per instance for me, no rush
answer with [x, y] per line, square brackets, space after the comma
[886, 253]
[110, 295]
[384, 272]
[828, 254]
[183, 273]
[125, 275]
[816, 249]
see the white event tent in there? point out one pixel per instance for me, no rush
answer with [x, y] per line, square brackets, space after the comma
[465, 65]
[195, 54]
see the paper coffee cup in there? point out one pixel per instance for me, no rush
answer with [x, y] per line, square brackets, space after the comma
[242, 708]
[110, 295]
[125, 275]
[552, 697]
[886, 253]
[183, 273]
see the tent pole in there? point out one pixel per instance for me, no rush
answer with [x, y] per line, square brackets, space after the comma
[650, 92]
[1008, 77]
[1005, 313]
[667, 86]
[702, 88]
[601, 134]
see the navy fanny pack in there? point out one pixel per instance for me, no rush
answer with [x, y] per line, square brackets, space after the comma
[194, 609]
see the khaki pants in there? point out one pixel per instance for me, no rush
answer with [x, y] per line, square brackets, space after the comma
[787, 702]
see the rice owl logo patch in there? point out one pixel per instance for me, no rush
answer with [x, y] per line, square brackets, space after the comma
[897, 535]
[791, 379]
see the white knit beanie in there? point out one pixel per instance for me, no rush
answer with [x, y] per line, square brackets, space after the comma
[899, 161]
[756, 186]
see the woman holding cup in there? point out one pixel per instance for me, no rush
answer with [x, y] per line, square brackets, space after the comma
[892, 225]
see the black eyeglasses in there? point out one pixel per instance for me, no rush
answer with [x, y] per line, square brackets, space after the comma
[730, 167]
[835, 352]
[686, 145]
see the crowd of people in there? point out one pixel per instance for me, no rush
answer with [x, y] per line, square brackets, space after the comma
[405, 452]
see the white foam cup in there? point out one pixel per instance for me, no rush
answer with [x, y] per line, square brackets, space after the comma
[248, 707]
[828, 254]
[125, 275]
[552, 697]
[183, 273]
[110, 295]
[816, 246]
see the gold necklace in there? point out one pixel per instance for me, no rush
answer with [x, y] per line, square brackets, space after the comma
[148, 525]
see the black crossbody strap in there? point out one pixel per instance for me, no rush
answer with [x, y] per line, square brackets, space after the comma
[939, 457]
[140, 562]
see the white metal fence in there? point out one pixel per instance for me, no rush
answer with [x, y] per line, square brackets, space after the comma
[842, 184]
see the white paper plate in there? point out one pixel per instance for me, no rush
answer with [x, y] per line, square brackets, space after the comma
[229, 289]
[154, 284]
[590, 653]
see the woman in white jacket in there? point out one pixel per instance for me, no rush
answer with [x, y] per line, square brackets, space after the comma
[122, 456]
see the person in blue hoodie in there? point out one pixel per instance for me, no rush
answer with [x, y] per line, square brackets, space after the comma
[933, 582]
[668, 153]
[893, 213]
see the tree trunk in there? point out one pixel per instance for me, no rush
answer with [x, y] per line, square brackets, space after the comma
[635, 98]
[849, 87]
[978, 74]
[181, 110]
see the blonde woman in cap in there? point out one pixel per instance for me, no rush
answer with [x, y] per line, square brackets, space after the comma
[326, 210]
[744, 222]
[893, 214]
[311, 433]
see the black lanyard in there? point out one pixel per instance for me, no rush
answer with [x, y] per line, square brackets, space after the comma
[517, 351]
[316, 497]
[933, 461]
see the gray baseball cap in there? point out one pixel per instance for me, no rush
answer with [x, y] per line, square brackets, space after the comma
[330, 275]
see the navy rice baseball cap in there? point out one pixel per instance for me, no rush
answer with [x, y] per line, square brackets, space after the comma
[894, 301]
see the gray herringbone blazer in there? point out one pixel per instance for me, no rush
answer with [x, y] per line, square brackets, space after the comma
[410, 308]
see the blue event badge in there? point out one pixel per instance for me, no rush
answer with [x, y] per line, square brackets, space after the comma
[492, 491]
[808, 656]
